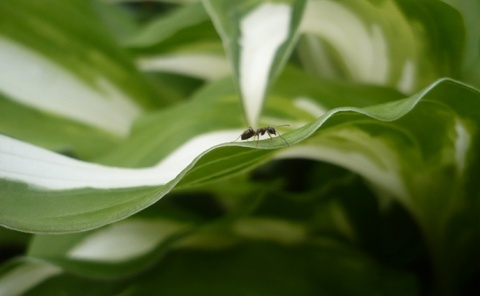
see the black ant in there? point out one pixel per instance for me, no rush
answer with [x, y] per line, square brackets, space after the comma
[250, 132]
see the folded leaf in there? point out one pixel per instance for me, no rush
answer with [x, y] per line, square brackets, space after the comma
[380, 142]
[258, 38]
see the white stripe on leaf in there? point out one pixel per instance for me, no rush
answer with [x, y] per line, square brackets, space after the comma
[263, 31]
[20, 161]
[363, 48]
[203, 66]
[25, 276]
[124, 240]
[33, 80]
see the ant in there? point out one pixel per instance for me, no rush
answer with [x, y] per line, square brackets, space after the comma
[250, 132]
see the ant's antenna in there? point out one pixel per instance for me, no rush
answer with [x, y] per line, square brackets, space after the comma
[281, 135]
[283, 139]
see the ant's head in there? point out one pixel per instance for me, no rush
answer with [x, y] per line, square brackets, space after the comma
[271, 130]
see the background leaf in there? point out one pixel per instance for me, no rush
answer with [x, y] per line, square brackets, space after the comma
[239, 24]
[470, 65]
[402, 44]
[70, 74]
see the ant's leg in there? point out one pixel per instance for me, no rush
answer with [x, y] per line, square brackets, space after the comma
[271, 131]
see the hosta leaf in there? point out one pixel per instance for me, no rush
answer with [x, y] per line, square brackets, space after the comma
[258, 37]
[118, 20]
[61, 61]
[429, 167]
[185, 20]
[117, 250]
[471, 63]
[328, 94]
[315, 269]
[379, 142]
[426, 158]
[201, 65]
[182, 43]
[403, 44]
[127, 249]
[53, 132]
[19, 276]
[31, 276]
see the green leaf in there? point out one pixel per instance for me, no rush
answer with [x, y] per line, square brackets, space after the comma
[53, 132]
[402, 44]
[167, 1]
[112, 252]
[78, 196]
[183, 42]
[247, 27]
[422, 152]
[61, 64]
[188, 17]
[267, 269]
[470, 9]
[19, 276]
[255, 267]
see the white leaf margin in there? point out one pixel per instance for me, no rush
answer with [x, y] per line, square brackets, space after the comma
[134, 238]
[199, 65]
[263, 31]
[363, 46]
[125, 240]
[31, 79]
[38, 167]
[27, 275]
[44, 170]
